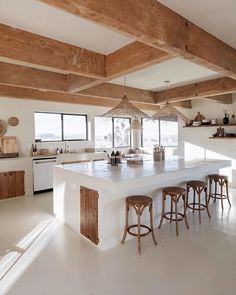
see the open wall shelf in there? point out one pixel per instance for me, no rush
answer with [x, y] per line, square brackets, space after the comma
[217, 125]
[223, 137]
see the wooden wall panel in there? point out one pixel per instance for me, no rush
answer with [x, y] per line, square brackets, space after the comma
[3, 185]
[89, 214]
[20, 183]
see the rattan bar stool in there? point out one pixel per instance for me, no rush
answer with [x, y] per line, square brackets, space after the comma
[139, 203]
[221, 181]
[175, 193]
[198, 187]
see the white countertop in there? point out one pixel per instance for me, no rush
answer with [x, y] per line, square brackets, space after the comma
[114, 176]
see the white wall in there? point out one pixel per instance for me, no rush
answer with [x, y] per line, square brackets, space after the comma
[195, 142]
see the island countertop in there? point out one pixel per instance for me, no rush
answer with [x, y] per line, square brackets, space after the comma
[100, 175]
[90, 197]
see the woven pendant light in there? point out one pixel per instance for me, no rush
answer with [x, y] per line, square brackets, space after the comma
[170, 112]
[125, 108]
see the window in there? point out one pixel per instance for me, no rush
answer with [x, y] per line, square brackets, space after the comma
[60, 127]
[48, 127]
[121, 132]
[103, 132]
[112, 132]
[74, 127]
[169, 133]
[163, 132]
[150, 134]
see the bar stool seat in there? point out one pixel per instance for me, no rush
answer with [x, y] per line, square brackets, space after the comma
[222, 182]
[175, 193]
[198, 187]
[139, 203]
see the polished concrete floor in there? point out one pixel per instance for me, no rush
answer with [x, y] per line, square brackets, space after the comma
[202, 260]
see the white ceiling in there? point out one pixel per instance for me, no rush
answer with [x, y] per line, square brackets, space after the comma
[177, 70]
[217, 17]
[42, 19]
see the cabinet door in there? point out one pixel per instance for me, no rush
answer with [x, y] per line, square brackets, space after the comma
[19, 183]
[11, 184]
[89, 214]
[3, 185]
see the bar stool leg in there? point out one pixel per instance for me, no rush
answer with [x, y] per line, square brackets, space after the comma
[171, 209]
[199, 206]
[215, 191]
[151, 224]
[176, 217]
[139, 232]
[194, 199]
[209, 197]
[185, 211]
[227, 192]
[221, 195]
[126, 223]
[163, 210]
[207, 208]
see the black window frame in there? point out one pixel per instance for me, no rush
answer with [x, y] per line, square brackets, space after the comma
[159, 134]
[113, 125]
[62, 127]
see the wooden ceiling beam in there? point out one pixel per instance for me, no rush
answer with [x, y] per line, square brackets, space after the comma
[198, 90]
[154, 24]
[16, 75]
[133, 57]
[36, 51]
[126, 60]
[113, 91]
[224, 98]
[35, 94]
[186, 104]
[75, 83]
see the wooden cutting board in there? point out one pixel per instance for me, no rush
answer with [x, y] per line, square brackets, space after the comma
[8, 144]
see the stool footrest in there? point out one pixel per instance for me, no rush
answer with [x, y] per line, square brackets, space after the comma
[136, 225]
[173, 214]
[195, 206]
[218, 196]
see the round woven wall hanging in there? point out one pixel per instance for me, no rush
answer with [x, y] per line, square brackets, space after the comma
[13, 121]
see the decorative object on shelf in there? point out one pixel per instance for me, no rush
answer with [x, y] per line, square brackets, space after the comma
[3, 128]
[8, 147]
[199, 117]
[206, 122]
[13, 121]
[197, 123]
[226, 118]
[214, 122]
[125, 108]
[170, 112]
[220, 132]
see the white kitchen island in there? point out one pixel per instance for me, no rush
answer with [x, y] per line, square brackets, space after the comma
[108, 186]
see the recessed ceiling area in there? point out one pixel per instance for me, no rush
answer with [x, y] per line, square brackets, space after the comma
[217, 17]
[177, 70]
[43, 19]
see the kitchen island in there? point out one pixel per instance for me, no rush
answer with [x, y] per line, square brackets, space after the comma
[90, 197]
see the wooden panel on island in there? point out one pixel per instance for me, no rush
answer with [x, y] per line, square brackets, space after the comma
[89, 214]
[12, 184]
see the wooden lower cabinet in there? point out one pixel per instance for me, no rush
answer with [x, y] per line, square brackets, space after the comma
[12, 184]
[89, 214]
